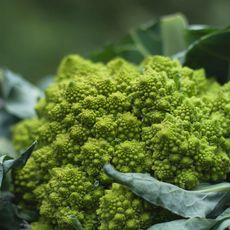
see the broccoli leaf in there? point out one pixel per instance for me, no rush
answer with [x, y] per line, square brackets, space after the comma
[164, 36]
[7, 164]
[186, 224]
[19, 96]
[195, 32]
[220, 223]
[11, 217]
[197, 46]
[8, 213]
[211, 52]
[134, 46]
[1, 174]
[20, 161]
[196, 203]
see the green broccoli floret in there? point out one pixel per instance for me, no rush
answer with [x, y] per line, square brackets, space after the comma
[130, 156]
[64, 148]
[157, 117]
[118, 103]
[26, 180]
[74, 65]
[128, 127]
[105, 127]
[162, 64]
[193, 82]
[78, 133]
[25, 132]
[123, 73]
[121, 209]
[174, 148]
[187, 178]
[94, 154]
[97, 104]
[212, 129]
[190, 111]
[45, 159]
[68, 193]
[152, 91]
[221, 104]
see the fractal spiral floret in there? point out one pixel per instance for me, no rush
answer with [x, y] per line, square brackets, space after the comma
[157, 117]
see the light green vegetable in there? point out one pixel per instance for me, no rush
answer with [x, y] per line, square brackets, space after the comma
[157, 117]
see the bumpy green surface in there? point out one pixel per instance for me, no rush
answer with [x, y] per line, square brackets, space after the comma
[121, 209]
[158, 117]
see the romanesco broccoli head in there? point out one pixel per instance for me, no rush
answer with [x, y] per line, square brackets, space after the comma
[157, 117]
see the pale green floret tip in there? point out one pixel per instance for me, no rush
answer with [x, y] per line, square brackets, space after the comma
[162, 64]
[74, 65]
[157, 117]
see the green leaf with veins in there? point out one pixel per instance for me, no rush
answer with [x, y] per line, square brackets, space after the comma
[195, 32]
[196, 203]
[220, 223]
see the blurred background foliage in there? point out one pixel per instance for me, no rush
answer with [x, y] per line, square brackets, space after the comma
[36, 34]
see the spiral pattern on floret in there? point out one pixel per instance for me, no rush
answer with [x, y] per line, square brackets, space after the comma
[120, 209]
[68, 192]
